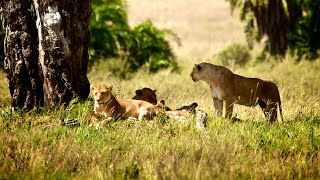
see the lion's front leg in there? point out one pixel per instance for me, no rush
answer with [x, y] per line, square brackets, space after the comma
[218, 105]
[92, 118]
[229, 109]
[103, 123]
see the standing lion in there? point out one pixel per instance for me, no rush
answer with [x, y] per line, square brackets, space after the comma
[229, 89]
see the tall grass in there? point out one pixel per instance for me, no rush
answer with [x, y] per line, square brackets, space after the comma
[160, 148]
[34, 145]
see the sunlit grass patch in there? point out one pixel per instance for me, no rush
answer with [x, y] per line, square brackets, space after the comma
[157, 148]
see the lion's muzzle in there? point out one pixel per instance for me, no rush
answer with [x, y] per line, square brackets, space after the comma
[193, 79]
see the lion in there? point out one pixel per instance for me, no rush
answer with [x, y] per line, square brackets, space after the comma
[146, 94]
[107, 105]
[233, 89]
[149, 95]
[178, 114]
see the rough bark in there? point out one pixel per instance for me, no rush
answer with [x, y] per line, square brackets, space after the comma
[63, 45]
[46, 48]
[278, 28]
[1, 49]
[21, 61]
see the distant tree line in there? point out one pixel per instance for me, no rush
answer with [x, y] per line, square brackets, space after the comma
[292, 25]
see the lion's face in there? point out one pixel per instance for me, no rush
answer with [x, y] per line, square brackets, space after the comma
[146, 94]
[102, 93]
[196, 73]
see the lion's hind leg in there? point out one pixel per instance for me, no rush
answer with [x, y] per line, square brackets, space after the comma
[272, 112]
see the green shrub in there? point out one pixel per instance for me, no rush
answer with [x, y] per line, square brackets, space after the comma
[111, 36]
[234, 55]
[149, 46]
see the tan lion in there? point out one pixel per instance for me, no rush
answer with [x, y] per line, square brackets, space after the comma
[233, 89]
[107, 105]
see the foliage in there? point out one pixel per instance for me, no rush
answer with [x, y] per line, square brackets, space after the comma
[286, 23]
[304, 37]
[108, 27]
[112, 36]
[234, 55]
[150, 47]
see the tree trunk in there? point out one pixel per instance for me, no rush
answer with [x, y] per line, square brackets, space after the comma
[277, 28]
[272, 22]
[63, 45]
[2, 56]
[21, 61]
[46, 47]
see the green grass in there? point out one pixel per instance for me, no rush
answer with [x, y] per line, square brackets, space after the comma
[34, 145]
[29, 148]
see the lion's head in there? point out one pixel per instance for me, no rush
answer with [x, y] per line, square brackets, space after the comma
[146, 94]
[102, 93]
[196, 72]
[201, 71]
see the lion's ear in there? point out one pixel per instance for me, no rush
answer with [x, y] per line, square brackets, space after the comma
[138, 92]
[110, 87]
[162, 101]
[198, 67]
[155, 91]
[93, 87]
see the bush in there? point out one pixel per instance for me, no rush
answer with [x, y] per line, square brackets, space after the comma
[234, 55]
[150, 47]
[111, 36]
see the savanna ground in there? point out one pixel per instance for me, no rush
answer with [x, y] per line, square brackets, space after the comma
[34, 146]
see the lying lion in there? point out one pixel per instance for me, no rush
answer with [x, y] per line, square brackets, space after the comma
[181, 114]
[149, 95]
[107, 105]
[235, 89]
